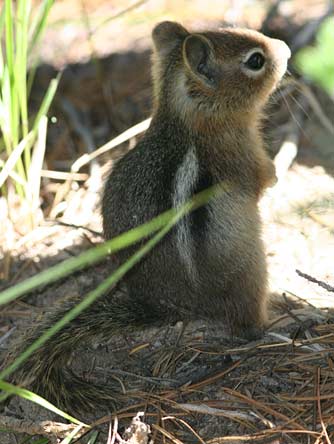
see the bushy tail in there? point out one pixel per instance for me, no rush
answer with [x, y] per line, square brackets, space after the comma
[46, 371]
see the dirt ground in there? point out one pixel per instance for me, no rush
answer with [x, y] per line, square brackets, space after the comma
[193, 381]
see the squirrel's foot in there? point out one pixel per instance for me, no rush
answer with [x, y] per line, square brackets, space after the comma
[250, 332]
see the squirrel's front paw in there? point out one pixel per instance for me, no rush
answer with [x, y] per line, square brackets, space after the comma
[271, 174]
[272, 181]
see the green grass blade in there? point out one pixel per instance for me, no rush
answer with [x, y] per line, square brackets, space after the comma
[93, 437]
[38, 26]
[2, 20]
[10, 92]
[71, 435]
[2, 60]
[96, 254]
[76, 263]
[30, 396]
[13, 175]
[10, 59]
[15, 27]
[39, 23]
[45, 105]
[8, 72]
[6, 124]
[5, 109]
[22, 27]
[94, 294]
[2, 67]
[15, 157]
[9, 35]
[36, 164]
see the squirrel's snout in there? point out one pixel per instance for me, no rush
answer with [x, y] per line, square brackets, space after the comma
[281, 54]
[281, 49]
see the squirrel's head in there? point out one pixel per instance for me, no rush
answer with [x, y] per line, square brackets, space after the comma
[215, 74]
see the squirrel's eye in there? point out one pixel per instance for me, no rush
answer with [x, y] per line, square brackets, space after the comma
[256, 61]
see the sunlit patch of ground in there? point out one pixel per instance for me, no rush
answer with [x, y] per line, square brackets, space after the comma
[299, 233]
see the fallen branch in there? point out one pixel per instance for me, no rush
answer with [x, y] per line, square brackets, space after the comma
[316, 281]
[50, 429]
[121, 138]
[207, 410]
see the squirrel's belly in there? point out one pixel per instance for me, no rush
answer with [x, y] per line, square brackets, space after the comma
[233, 224]
[225, 238]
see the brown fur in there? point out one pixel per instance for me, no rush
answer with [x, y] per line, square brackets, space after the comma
[205, 131]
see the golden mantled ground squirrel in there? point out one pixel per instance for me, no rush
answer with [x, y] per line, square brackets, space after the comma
[210, 89]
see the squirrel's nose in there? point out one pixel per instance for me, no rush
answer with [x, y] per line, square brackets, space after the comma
[281, 49]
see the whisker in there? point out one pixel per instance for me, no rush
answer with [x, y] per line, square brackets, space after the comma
[300, 105]
[293, 115]
[306, 91]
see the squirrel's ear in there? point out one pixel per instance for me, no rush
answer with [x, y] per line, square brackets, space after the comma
[196, 53]
[166, 35]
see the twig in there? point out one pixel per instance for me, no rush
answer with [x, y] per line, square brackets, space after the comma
[314, 404]
[316, 281]
[50, 429]
[119, 14]
[112, 434]
[166, 434]
[257, 438]
[187, 426]
[87, 139]
[150, 379]
[123, 137]
[14, 157]
[79, 227]
[62, 175]
[207, 410]
[265, 437]
[263, 407]
[76, 124]
[290, 341]
[90, 157]
[324, 430]
[307, 398]
[4, 337]
[319, 220]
